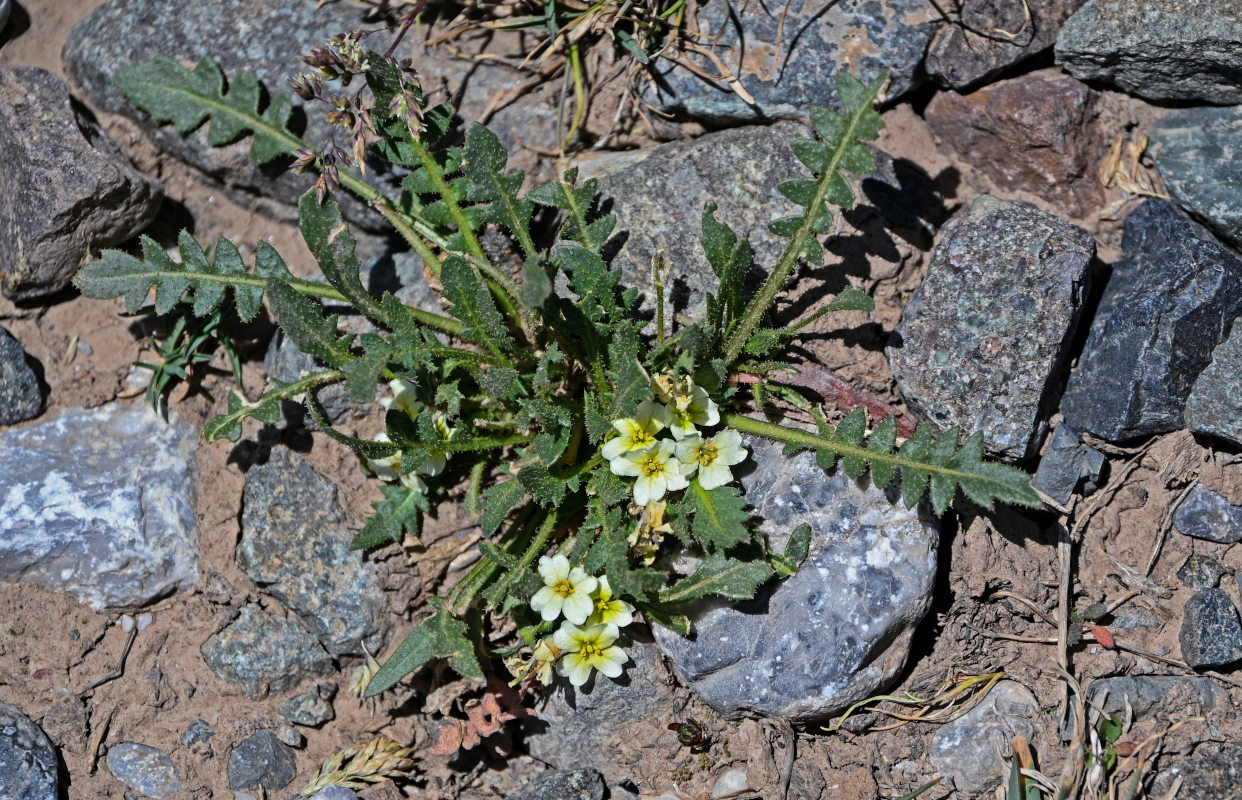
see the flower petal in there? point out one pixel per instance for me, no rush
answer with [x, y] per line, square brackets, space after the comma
[714, 475]
[577, 607]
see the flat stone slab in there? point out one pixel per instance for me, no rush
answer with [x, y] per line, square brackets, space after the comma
[145, 769]
[836, 631]
[1170, 300]
[65, 188]
[100, 504]
[1158, 49]
[295, 547]
[982, 339]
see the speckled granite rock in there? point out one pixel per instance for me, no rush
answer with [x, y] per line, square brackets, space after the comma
[27, 759]
[964, 52]
[66, 187]
[1214, 777]
[1205, 514]
[969, 749]
[1211, 634]
[980, 342]
[147, 770]
[1158, 49]
[269, 38]
[295, 547]
[20, 395]
[309, 708]
[100, 504]
[1169, 302]
[835, 632]
[658, 194]
[579, 784]
[261, 653]
[789, 56]
[1036, 133]
[261, 760]
[1197, 153]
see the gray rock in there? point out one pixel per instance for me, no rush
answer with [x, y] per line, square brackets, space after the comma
[308, 708]
[100, 504]
[1204, 514]
[295, 546]
[267, 37]
[1163, 696]
[575, 727]
[1211, 635]
[981, 341]
[199, 731]
[1158, 49]
[27, 759]
[1200, 572]
[787, 57]
[839, 629]
[65, 188]
[1214, 777]
[1195, 151]
[20, 396]
[581, 784]
[1214, 406]
[1133, 618]
[147, 770]
[398, 273]
[5, 8]
[658, 194]
[290, 736]
[1065, 465]
[261, 760]
[987, 37]
[968, 749]
[1169, 302]
[260, 653]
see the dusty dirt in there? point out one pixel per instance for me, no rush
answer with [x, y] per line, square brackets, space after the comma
[74, 678]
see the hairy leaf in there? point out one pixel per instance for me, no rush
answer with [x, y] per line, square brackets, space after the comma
[440, 635]
[473, 304]
[118, 274]
[487, 182]
[796, 550]
[497, 502]
[395, 515]
[719, 516]
[329, 240]
[303, 321]
[719, 575]
[171, 93]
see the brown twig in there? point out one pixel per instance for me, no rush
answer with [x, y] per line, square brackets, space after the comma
[832, 389]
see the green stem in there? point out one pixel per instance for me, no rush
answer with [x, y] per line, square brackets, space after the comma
[772, 286]
[450, 202]
[484, 443]
[462, 595]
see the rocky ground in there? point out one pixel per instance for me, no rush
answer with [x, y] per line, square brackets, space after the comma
[1051, 237]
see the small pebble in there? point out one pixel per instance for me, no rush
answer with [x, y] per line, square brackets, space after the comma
[143, 621]
[731, 783]
[127, 623]
[290, 736]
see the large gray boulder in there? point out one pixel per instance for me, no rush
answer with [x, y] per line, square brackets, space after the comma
[100, 504]
[835, 632]
[65, 189]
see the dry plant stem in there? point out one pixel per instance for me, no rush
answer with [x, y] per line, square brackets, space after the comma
[839, 392]
[1163, 527]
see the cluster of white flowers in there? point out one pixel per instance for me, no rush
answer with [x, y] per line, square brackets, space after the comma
[587, 636]
[389, 467]
[666, 465]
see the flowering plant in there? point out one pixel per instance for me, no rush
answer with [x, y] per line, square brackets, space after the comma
[592, 444]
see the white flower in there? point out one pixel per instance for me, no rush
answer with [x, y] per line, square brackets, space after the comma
[637, 433]
[695, 408]
[617, 613]
[712, 458]
[587, 649]
[564, 590]
[657, 470]
[388, 469]
[402, 399]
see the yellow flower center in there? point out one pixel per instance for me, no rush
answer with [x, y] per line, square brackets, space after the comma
[640, 439]
[707, 454]
[591, 649]
[601, 605]
[564, 588]
[652, 466]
